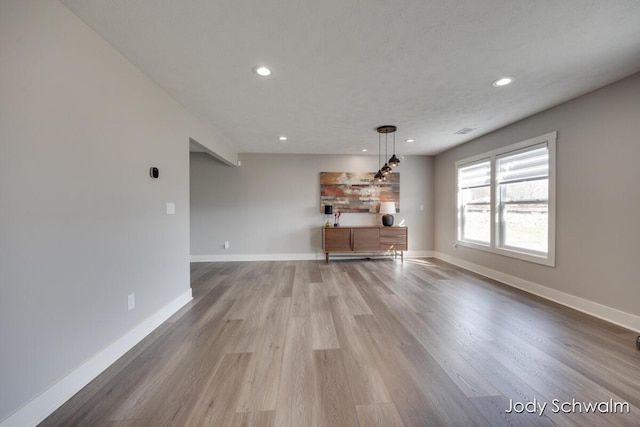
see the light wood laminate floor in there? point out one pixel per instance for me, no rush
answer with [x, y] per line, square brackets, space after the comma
[364, 343]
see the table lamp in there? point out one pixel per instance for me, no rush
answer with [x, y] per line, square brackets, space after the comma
[328, 211]
[387, 209]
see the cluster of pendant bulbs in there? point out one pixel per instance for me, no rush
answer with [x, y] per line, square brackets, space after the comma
[385, 170]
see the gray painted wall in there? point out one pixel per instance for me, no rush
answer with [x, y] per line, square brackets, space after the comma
[271, 204]
[82, 225]
[598, 196]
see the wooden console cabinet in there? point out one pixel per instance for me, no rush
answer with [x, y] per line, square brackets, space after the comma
[348, 240]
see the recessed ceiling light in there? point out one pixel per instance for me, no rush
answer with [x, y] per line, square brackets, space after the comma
[364, 150]
[503, 81]
[282, 138]
[409, 140]
[261, 70]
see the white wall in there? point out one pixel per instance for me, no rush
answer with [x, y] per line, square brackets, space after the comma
[82, 225]
[269, 208]
[598, 198]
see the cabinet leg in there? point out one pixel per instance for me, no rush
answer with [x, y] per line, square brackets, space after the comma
[327, 257]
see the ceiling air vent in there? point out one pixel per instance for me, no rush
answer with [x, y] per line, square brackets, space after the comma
[464, 131]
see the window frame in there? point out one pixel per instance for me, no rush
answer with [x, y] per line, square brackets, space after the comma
[461, 220]
[497, 236]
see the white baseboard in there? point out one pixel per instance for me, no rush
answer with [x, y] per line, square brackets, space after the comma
[610, 314]
[287, 257]
[257, 257]
[51, 399]
[419, 254]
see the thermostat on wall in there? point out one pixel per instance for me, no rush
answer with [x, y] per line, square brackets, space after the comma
[154, 172]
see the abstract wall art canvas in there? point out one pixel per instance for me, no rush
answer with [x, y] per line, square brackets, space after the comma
[352, 192]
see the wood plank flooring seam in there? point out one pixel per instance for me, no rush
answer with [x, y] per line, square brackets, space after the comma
[362, 343]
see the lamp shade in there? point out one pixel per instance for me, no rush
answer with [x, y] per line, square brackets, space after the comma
[328, 209]
[388, 208]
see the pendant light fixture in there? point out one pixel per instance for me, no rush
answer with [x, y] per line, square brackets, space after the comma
[386, 169]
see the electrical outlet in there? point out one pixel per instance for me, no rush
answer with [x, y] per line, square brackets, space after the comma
[226, 244]
[131, 302]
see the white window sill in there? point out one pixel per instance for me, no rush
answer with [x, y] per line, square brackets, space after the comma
[548, 260]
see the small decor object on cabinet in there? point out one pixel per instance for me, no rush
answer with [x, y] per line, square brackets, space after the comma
[328, 211]
[337, 217]
[387, 209]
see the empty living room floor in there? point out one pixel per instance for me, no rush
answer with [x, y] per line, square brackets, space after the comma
[365, 343]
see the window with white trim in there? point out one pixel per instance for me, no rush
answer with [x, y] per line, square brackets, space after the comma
[506, 200]
[474, 191]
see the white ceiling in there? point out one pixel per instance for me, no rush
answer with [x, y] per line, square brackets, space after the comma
[341, 68]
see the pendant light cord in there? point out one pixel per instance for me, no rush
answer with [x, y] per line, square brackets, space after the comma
[386, 145]
[394, 143]
[379, 153]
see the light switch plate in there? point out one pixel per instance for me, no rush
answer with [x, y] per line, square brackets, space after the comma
[171, 208]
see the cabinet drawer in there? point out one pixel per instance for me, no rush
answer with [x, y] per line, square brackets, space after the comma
[393, 246]
[393, 239]
[393, 232]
